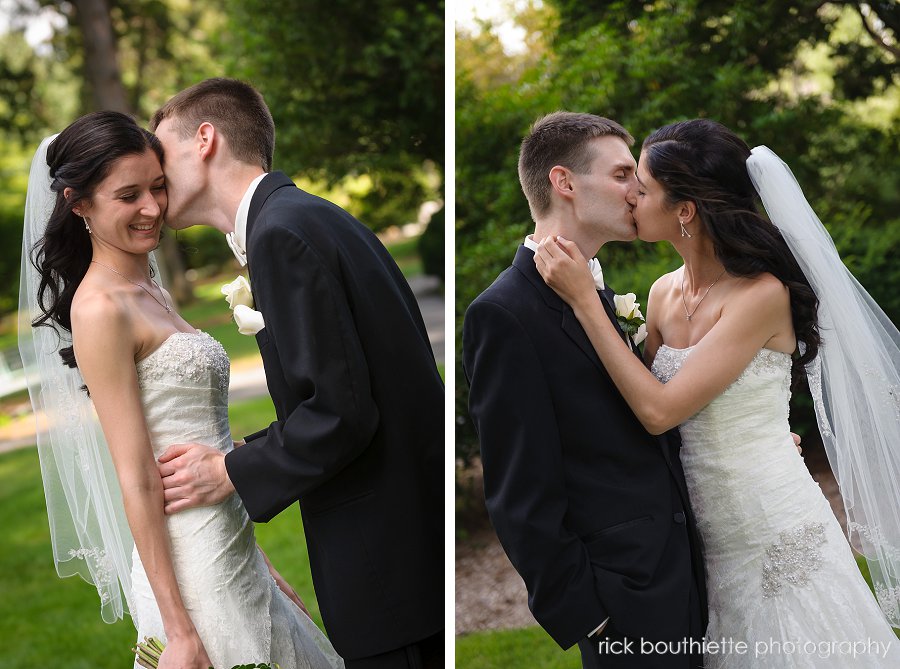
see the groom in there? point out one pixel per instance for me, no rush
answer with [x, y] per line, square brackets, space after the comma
[359, 434]
[591, 509]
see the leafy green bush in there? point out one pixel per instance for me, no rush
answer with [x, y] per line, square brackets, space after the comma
[648, 65]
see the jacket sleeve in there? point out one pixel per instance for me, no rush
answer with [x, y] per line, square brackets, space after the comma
[309, 317]
[524, 480]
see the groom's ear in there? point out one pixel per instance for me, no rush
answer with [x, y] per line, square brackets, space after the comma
[207, 140]
[561, 181]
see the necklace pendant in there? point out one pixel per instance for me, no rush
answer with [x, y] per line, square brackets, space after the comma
[689, 316]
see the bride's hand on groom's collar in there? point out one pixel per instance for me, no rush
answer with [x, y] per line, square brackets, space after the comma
[563, 268]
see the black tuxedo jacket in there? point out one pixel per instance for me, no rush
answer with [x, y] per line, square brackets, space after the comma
[359, 433]
[591, 509]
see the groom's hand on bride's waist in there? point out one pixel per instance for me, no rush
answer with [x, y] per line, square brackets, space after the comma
[193, 475]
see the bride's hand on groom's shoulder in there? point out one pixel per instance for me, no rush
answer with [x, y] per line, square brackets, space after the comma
[563, 267]
[193, 475]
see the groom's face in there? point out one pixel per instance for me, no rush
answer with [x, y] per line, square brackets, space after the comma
[603, 199]
[183, 170]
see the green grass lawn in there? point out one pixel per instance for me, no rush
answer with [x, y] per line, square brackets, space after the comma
[528, 648]
[46, 621]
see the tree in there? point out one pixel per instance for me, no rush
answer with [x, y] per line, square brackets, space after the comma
[101, 71]
[746, 64]
[101, 62]
[355, 88]
[130, 56]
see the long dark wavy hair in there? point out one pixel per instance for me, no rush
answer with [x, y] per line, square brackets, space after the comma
[81, 157]
[705, 162]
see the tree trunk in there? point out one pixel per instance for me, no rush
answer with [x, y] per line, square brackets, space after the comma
[172, 269]
[101, 65]
[101, 70]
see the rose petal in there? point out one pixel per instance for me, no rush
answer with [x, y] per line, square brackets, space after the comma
[640, 335]
[249, 322]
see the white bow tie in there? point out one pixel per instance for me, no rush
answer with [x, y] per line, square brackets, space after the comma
[597, 273]
[237, 249]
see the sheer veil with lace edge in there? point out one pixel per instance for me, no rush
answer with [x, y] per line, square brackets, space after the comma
[855, 379]
[89, 532]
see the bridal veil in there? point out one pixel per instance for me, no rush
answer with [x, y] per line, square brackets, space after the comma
[88, 529]
[854, 380]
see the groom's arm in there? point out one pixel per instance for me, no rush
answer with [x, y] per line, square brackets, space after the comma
[308, 316]
[524, 481]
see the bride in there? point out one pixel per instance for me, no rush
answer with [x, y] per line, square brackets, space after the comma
[723, 331]
[196, 579]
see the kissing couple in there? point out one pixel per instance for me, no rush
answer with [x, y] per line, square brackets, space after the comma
[653, 501]
[143, 505]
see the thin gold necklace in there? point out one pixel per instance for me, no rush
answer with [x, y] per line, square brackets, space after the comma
[163, 304]
[689, 314]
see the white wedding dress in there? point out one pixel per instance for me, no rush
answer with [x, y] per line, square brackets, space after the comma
[780, 574]
[239, 612]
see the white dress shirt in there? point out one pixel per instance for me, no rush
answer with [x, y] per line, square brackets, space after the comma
[237, 240]
[593, 263]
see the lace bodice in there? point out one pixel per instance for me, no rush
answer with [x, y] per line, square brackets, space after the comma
[184, 389]
[755, 405]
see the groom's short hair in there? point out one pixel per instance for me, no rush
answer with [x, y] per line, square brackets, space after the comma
[236, 109]
[561, 138]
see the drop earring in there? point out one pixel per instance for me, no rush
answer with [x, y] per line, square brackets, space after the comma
[684, 232]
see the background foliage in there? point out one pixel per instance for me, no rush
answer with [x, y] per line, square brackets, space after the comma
[356, 90]
[816, 81]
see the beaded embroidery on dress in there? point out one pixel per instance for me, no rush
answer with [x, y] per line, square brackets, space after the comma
[780, 574]
[239, 612]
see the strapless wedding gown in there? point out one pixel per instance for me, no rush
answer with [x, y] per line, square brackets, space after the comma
[240, 614]
[780, 575]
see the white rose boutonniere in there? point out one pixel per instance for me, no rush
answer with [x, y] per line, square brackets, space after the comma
[630, 318]
[240, 300]
[238, 292]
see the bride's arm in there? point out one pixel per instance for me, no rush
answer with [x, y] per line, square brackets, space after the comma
[654, 337]
[105, 348]
[750, 320]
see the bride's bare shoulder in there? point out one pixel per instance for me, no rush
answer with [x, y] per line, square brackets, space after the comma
[97, 306]
[666, 284]
[767, 287]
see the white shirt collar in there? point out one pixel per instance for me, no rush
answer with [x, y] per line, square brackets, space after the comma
[237, 240]
[593, 263]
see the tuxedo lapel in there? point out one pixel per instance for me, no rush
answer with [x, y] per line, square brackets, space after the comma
[524, 262]
[270, 183]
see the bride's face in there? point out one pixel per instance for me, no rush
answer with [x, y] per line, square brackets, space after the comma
[127, 207]
[656, 220]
